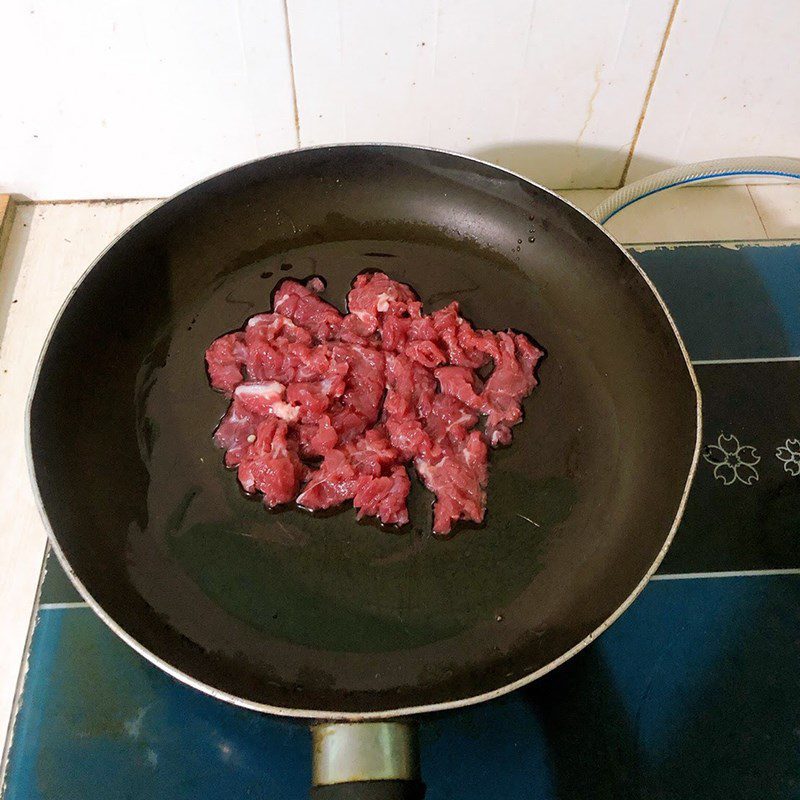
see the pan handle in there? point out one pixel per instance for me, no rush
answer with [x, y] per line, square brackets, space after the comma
[365, 761]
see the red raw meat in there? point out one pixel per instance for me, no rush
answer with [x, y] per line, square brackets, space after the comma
[374, 296]
[368, 392]
[302, 304]
[234, 431]
[265, 399]
[512, 380]
[384, 497]
[465, 346]
[360, 402]
[365, 471]
[271, 464]
[226, 359]
[457, 474]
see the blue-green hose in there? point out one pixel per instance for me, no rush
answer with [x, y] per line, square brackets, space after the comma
[692, 173]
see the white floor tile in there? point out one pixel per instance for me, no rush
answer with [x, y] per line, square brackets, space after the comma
[49, 248]
[779, 209]
[717, 213]
[704, 213]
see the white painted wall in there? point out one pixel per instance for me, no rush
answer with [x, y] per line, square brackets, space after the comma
[138, 98]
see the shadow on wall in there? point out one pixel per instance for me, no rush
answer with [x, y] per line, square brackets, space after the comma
[559, 165]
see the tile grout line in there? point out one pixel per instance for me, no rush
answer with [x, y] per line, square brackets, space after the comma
[758, 213]
[291, 72]
[649, 93]
[60, 606]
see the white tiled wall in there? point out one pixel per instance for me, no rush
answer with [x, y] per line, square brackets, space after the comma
[138, 98]
[506, 81]
[728, 84]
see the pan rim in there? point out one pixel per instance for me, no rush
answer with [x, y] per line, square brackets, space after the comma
[400, 711]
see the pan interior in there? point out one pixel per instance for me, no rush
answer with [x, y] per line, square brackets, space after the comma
[324, 613]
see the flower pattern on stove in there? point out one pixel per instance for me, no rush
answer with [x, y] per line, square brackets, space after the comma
[732, 461]
[790, 455]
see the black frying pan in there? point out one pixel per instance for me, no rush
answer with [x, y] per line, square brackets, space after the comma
[325, 617]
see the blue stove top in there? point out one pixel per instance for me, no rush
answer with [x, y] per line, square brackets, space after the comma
[692, 693]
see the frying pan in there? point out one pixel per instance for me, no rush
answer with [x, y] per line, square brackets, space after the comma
[323, 617]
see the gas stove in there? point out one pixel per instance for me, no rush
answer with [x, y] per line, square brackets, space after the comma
[692, 693]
